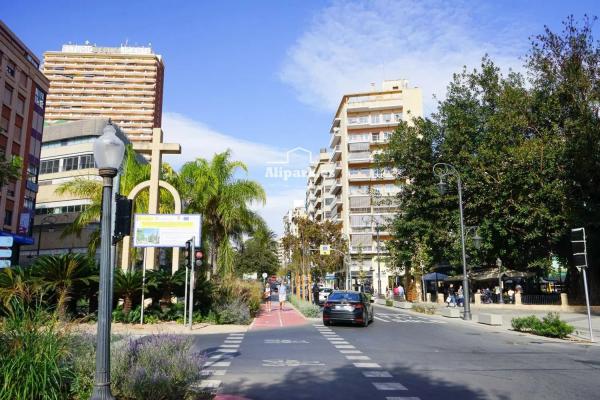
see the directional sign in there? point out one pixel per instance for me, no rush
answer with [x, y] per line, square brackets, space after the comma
[4, 263]
[325, 249]
[6, 241]
[5, 253]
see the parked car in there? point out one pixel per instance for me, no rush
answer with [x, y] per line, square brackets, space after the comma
[324, 292]
[348, 306]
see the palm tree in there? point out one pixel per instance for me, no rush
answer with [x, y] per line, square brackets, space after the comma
[165, 284]
[212, 189]
[133, 172]
[128, 285]
[60, 273]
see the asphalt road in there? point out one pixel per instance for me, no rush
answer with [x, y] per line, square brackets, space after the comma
[401, 355]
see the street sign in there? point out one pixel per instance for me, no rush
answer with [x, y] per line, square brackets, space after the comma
[264, 275]
[166, 230]
[578, 242]
[325, 249]
[6, 241]
[4, 263]
[5, 253]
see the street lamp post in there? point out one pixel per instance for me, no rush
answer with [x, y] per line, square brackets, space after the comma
[108, 153]
[499, 265]
[442, 170]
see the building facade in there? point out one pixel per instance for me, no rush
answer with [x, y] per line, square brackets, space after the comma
[67, 154]
[321, 191]
[23, 89]
[123, 83]
[363, 193]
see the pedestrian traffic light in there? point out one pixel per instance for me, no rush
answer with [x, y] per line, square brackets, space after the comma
[123, 210]
[187, 252]
[198, 258]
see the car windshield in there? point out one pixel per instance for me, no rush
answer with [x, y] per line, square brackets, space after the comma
[326, 290]
[344, 296]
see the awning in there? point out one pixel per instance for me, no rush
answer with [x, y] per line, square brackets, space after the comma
[18, 239]
[492, 274]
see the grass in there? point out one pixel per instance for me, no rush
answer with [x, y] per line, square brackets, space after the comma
[307, 309]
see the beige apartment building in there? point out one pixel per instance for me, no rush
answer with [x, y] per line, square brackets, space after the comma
[364, 195]
[321, 193]
[23, 90]
[122, 83]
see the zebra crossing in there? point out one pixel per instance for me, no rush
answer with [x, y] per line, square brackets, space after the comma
[406, 318]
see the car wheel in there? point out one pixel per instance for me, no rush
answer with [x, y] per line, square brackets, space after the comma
[326, 323]
[365, 319]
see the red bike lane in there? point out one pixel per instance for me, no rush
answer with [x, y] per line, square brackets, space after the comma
[276, 318]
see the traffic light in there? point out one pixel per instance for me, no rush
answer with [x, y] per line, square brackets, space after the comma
[198, 256]
[123, 210]
[578, 243]
[187, 252]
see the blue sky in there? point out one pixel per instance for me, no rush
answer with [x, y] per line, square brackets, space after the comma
[263, 77]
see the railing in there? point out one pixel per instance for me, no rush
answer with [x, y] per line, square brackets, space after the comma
[543, 299]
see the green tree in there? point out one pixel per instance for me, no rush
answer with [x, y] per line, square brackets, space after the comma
[128, 287]
[258, 254]
[10, 169]
[213, 189]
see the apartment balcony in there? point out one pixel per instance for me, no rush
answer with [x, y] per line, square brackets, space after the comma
[373, 121]
[336, 138]
[370, 177]
[336, 187]
[360, 157]
[336, 155]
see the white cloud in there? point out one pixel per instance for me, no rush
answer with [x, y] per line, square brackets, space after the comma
[199, 140]
[279, 201]
[352, 44]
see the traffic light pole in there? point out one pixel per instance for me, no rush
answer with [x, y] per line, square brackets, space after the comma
[193, 262]
[587, 303]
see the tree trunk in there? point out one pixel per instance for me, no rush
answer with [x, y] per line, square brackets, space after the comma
[61, 306]
[127, 305]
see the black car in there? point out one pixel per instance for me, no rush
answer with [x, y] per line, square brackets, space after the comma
[348, 306]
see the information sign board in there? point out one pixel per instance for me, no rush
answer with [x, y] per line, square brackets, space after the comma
[166, 230]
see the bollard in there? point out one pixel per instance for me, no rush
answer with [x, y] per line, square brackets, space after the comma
[477, 297]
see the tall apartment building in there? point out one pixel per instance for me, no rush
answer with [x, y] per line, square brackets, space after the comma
[321, 190]
[364, 194]
[23, 89]
[67, 154]
[123, 83]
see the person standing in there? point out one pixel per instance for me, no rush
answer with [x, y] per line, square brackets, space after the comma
[267, 296]
[315, 290]
[401, 292]
[282, 290]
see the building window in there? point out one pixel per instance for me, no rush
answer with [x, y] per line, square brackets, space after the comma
[49, 166]
[20, 106]
[8, 92]
[10, 68]
[29, 203]
[37, 122]
[32, 173]
[4, 125]
[34, 147]
[70, 163]
[40, 98]
[23, 79]
[87, 161]
[8, 216]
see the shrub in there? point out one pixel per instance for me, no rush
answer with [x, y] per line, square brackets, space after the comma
[234, 312]
[83, 364]
[424, 308]
[157, 367]
[33, 356]
[551, 325]
[307, 309]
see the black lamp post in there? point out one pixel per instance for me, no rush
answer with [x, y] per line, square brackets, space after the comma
[442, 170]
[108, 153]
[499, 265]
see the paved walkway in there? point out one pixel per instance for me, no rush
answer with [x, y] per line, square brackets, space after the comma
[277, 319]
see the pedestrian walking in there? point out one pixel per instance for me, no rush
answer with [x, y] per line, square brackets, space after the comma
[451, 299]
[401, 292]
[461, 296]
[267, 297]
[282, 290]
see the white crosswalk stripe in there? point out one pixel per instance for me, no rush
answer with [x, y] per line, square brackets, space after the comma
[389, 386]
[402, 318]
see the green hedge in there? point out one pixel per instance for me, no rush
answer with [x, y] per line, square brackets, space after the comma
[307, 309]
[551, 325]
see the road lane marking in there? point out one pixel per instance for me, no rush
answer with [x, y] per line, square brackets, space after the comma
[344, 346]
[213, 372]
[380, 319]
[227, 350]
[358, 357]
[236, 334]
[285, 341]
[389, 386]
[377, 374]
[402, 398]
[232, 346]
[217, 364]
[367, 365]
[350, 351]
[290, 363]
[209, 384]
